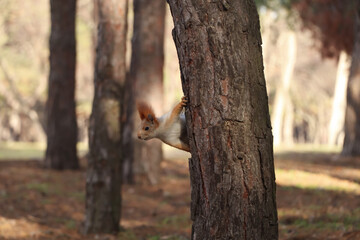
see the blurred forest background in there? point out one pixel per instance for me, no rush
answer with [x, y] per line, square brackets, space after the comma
[295, 67]
[306, 48]
[25, 68]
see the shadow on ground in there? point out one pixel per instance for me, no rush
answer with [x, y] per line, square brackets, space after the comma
[37, 203]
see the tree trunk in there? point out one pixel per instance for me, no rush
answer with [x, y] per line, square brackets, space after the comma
[128, 129]
[18, 104]
[288, 128]
[103, 180]
[146, 73]
[351, 145]
[61, 117]
[232, 167]
[339, 101]
[282, 96]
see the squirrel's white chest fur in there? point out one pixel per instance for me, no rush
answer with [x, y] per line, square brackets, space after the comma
[169, 133]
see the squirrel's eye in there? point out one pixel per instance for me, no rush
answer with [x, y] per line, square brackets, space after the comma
[146, 128]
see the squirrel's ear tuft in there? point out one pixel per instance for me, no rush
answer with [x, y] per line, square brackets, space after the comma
[145, 110]
[150, 118]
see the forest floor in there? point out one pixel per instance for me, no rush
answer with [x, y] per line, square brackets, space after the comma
[318, 197]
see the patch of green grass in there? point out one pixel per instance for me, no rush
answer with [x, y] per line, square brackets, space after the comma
[177, 221]
[46, 201]
[127, 235]
[171, 237]
[40, 187]
[328, 224]
[70, 224]
[30, 150]
[44, 188]
[154, 238]
[21, 150]
[301, 223]
[80, 196]
[310, 220]
[3, 194]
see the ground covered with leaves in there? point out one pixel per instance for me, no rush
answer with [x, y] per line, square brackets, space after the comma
[318, 197]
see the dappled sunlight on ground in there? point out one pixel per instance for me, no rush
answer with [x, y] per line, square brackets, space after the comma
[318, 194]
[302, 179]
[318, 197]
[28, 228]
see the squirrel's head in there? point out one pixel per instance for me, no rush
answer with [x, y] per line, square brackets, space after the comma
[149, 122]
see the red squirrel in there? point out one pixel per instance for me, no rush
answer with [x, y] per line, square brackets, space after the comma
[169, 128]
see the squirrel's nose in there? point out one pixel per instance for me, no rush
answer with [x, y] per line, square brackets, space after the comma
[139, 137]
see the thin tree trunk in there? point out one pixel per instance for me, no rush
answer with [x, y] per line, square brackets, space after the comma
[61, 126]
[288, 129]
[128, 129]
[336, 124]
[146, 73]
[282, 93]
[351, 145]
[103, 180]
[232, 169]
[17, 102]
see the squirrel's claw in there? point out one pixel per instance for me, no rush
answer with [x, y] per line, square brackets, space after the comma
[184, 101]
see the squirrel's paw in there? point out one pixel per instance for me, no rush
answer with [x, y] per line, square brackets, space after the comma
[184, 101]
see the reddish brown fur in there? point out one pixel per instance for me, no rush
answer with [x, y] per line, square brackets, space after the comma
[181, 146]
[145, 110]
[175, 113]
[149, 127]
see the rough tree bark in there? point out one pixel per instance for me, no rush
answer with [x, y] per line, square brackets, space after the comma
[61, 125]
[351, 145]
[103, 180]
[146, 73]
[232, 168]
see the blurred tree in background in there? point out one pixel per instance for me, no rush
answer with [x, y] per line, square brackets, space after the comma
[23, 69]
[61, 127]
[332, 23]
[146, 76]
[103, 176]
[352, 117]
[329, 21]
[282, 107]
